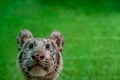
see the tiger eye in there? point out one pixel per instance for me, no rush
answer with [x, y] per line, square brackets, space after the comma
[31, 46]
[47, 46]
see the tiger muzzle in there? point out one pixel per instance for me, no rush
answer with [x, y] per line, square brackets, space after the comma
[38, 57]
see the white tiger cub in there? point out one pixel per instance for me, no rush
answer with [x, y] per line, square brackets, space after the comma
[40, 58]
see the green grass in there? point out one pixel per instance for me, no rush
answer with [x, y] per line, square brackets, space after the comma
[92, 36]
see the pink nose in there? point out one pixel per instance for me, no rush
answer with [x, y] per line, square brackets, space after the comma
[38, 57]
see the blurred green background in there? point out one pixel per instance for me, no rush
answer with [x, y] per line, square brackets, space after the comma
[91, 29]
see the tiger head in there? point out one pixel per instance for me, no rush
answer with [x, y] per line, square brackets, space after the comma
[40, 57]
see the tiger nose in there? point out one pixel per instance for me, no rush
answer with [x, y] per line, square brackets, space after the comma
[38, 57]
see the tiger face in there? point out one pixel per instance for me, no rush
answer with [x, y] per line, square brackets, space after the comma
[40, 57]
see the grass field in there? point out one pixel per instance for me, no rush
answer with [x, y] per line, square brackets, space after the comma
[92, 36]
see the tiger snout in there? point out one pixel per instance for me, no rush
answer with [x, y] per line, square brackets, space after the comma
[38, 57]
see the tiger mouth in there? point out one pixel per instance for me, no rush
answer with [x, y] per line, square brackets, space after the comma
[31, 67]
[41, 67]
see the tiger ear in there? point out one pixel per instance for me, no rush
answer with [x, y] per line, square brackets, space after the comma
[22, 37]
[58, 38]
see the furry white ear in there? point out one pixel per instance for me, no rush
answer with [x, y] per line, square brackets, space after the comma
[58, 38]
[22, 37]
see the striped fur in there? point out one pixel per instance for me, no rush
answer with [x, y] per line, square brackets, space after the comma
[50, 66]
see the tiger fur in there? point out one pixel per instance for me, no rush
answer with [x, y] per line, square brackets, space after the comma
[40, 58]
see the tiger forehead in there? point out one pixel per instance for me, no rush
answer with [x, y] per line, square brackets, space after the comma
[39, 41]
[42, 40]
